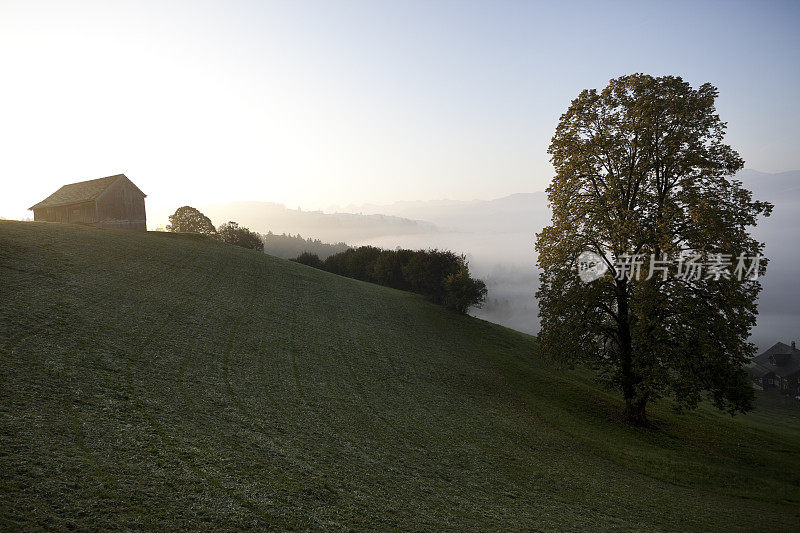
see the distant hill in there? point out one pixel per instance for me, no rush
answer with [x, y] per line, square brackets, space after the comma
[783, 187]
[263, 217]
[158, 381]
[509, 214]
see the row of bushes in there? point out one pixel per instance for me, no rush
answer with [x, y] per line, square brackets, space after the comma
[187, 219]
[439, 275]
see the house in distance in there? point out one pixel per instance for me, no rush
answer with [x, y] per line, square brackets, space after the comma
[111, 202]
[778, 369]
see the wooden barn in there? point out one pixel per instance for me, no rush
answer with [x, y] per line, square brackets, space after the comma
[112, 202]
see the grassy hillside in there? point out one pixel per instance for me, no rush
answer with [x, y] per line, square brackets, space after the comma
[160, 380]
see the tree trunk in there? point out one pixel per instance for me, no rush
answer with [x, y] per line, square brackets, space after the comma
[635, 403]
[635, 411]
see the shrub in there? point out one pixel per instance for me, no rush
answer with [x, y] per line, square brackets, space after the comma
[463, 292]
[232, 233]
[307, 258]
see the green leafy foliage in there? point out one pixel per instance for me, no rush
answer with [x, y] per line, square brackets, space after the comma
[439, 275]
[187, 219]
[307, 258]
[461, 291]
[233, 233]
[641, 168]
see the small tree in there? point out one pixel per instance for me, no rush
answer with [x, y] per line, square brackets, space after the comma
[187, 219]
[462, 291]
[641, 170]
[426, 271]
[307, 258]
[232, 233]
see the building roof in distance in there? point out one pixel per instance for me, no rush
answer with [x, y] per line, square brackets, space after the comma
[787, 357]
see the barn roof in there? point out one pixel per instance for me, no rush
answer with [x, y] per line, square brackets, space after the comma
[758, 371]
[82, 191]
[787, 357]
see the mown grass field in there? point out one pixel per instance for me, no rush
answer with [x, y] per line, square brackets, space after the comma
[166, 381]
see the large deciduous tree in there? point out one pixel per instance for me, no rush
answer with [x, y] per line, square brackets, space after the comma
[187, 219]
[642, 171]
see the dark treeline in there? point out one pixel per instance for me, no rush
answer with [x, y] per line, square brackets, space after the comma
[439, 275]
[288, 246]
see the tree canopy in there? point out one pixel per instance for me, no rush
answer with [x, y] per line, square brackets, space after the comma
[439, 275]
[644, 184]
[187, 219]
[233, 233]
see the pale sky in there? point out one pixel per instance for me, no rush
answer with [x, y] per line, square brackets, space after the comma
[319, 103]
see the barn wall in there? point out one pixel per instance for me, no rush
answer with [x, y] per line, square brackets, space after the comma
[82, 213]
[121, 206]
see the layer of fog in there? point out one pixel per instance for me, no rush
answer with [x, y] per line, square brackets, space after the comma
[779, 304]
[498, 238]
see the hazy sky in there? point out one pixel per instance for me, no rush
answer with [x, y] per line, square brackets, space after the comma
[320, 103]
